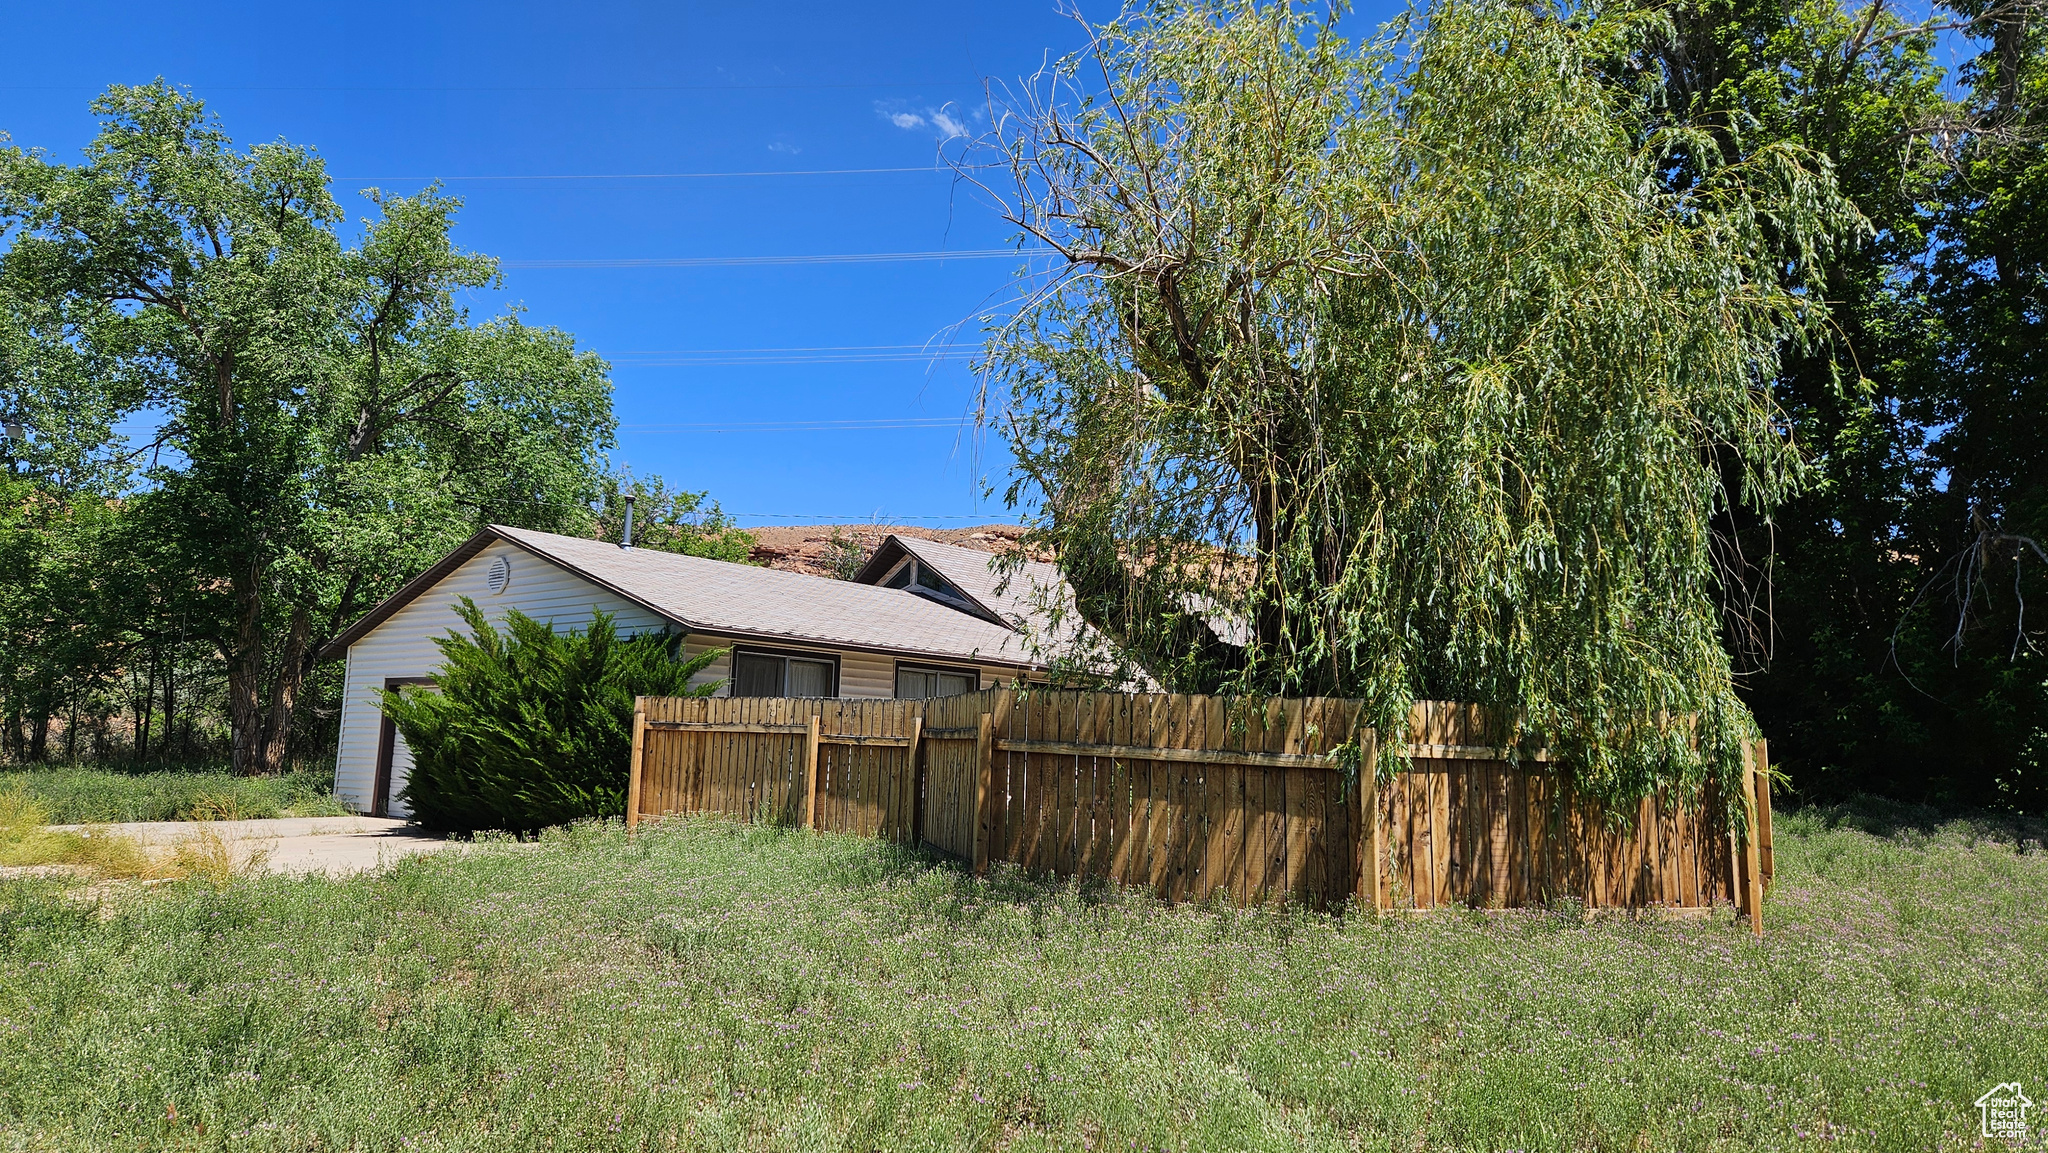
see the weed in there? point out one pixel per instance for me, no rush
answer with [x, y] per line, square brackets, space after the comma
[78, 795]
[204, 855]
[26, 839]
[711, 985]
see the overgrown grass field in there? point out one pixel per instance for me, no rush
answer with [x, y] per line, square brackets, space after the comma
[712, 986]
[78, 795]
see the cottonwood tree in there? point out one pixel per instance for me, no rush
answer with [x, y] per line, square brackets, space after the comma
[1395, 369]
[1889, 650]
[328, 416]
[66, 618]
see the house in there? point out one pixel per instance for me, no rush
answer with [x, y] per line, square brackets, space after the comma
[920, 619]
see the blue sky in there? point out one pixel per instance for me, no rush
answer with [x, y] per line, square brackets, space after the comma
[394, 93]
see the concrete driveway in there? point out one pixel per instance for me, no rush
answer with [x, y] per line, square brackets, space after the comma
[331, 845]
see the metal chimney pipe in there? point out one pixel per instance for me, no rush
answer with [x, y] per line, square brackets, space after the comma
[626, 537]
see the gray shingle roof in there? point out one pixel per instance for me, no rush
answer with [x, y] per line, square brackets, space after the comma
[723, 598]
[1018, 597]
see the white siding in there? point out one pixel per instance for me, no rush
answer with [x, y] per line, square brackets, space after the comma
[864, 675]
[403, 646]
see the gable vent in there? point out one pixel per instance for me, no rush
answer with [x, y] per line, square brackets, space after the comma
[499, 576]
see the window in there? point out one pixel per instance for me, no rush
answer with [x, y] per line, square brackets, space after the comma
[910, 573]
[917, 681]
[769, 674]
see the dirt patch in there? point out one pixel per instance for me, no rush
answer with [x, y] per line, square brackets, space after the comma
[810, 548]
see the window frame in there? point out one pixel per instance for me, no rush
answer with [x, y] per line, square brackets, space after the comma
[972, 673]
[921, 579]
[785, 655]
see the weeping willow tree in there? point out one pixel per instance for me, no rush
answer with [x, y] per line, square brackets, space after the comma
[1396, 370]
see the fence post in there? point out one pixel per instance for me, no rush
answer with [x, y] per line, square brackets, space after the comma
[1752, 837]
[1366, 829]
[811, 773]
[915, 765]
[984, 775]
[633, 766]
[1763, 806]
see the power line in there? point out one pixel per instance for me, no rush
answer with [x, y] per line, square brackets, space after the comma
[773, 361]
[671, 175]
[740, 351]
[816, 354]
[884, 423]
[876, 518]
[196, 88]
[754, 261]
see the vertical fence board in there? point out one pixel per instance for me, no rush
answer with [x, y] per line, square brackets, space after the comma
[1148, 731]
[1108, 805]
[728, 764]
[1215, 875]
[1190, 728]
[1024, 829]
[1252, 841]
[1123, 797]
[719, 768]
[1449, 830]
[1217, 826]
[751, 751]
[1766, 856]
[1087, 787]
[999, 784]
[868, 812]
[1167, 783]
[1060, 797]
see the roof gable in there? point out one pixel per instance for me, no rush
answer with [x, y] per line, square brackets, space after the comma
[743, 602]
[407, 593]
[1017, 596]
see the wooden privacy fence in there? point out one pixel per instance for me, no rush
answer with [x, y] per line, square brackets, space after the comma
[1199, 797]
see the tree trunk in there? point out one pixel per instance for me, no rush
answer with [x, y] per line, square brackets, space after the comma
[145, 708]
[284, 692]
[245, 676]
[170, 703]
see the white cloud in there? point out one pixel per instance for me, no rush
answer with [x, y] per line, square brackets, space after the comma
[789, 149]
[943, 119]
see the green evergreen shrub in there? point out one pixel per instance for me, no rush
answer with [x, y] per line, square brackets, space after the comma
[528, 728]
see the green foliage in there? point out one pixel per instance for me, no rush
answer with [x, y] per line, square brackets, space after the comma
[527, 728]
[25, 841]
[1395, 370]
[723, 986]
[62, 626]
[1974, 662]
[332, 420]
[845, 553]
[79, 795]
[690, 523]
[1878, 614]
